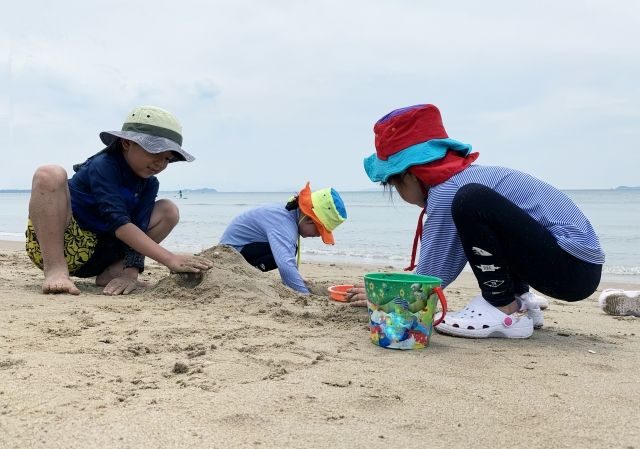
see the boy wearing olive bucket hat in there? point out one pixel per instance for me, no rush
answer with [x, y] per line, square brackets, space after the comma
[514, 230]
[268, 236]
[105, 219]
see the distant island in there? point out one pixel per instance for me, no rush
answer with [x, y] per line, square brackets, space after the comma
[203, 190]
[627, 188]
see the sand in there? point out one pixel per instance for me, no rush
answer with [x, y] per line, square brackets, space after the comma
[240, 361]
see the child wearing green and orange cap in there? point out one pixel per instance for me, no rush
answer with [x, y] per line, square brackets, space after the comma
[268, 236]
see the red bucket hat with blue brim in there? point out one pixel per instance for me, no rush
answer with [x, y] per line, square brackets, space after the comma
[409, 136]
[413, 139]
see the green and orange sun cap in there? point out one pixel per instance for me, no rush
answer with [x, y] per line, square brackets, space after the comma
[325, 207]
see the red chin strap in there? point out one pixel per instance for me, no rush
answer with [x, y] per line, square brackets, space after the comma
[432, 174]
[417, 237]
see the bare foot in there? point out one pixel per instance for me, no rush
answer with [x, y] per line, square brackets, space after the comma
[123, 286]
[59, 283]
[510, 308]
[103, 279]
[108, 275]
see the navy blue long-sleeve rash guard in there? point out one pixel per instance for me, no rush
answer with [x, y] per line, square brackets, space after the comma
[106, 194]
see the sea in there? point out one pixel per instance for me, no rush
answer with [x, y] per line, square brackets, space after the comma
[379, 229]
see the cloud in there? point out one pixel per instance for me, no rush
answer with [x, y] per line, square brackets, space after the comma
[274, 93]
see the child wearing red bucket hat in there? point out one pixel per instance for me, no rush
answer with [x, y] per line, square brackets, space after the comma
[268, 236]
[105, 219]
[514, 230]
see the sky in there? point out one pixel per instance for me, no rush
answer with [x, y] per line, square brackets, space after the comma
[275, 93]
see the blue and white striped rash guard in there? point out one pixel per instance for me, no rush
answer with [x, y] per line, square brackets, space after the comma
[273, 224]
[441, 252]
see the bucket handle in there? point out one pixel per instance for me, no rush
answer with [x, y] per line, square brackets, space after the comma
[443, 302]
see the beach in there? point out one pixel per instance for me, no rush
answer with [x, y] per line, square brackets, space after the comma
[239, 361]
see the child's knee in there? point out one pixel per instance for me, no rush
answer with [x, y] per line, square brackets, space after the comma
[168, 211]
[467, 199]
[49, 176]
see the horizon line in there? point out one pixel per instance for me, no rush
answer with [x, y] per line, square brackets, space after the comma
[214, 190]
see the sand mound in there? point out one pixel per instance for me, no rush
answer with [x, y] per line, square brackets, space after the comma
[233, 286]
[231, 275]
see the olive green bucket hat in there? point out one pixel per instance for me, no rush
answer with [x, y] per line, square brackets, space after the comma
[154, 129]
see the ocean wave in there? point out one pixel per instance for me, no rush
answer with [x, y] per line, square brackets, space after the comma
[352, 254]
[196, 204]
[621, 269]
[13, 236]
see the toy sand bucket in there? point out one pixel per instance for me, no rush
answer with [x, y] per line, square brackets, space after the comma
[401, 308]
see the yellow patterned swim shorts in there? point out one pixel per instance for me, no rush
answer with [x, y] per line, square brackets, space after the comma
[79, 246]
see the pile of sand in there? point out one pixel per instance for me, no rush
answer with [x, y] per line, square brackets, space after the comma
[231, 275]
[233, 287]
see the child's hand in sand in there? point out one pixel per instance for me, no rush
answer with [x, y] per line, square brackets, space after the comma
[189, 264]
[357, 296]
[123, 285]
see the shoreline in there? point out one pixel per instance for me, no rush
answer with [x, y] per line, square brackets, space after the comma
[627, 281]
[12, 245]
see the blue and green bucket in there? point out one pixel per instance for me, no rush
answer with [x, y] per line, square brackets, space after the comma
[401, 308]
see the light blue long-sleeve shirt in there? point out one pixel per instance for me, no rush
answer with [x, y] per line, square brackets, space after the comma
[275, 225]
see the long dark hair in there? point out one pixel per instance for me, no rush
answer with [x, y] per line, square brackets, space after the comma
[292, 204]
[386, 185]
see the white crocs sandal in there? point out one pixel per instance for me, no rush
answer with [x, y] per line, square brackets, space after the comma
[615, 301]
[479, 319]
